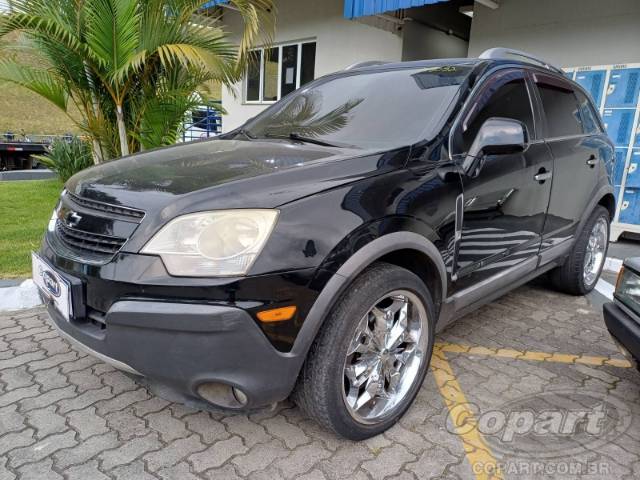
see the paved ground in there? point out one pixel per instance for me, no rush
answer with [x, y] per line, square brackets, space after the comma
[624, 247]
[531, 383]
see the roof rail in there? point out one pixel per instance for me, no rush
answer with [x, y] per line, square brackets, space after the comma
[500, 53]
[368, 63]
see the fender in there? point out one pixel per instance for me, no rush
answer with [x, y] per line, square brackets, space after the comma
[360, 260]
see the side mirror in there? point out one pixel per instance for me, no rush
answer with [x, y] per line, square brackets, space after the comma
[497, 136]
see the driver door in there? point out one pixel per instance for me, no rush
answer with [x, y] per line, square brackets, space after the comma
[504, 206]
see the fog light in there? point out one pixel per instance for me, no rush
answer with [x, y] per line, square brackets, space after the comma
[240, 396]
[222, 395]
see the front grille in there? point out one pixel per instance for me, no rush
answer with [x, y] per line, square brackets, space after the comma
[107, 207]
[90, 231]
[88, 242]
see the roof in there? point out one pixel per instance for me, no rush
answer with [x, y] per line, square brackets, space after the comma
[381, 65]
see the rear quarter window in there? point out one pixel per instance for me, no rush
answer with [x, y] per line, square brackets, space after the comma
[590, 121]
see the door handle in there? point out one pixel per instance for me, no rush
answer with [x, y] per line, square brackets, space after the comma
[592, 161]
[542, 176]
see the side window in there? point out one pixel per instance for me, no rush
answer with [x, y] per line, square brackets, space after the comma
[506, 96]
[589, 115]
[561, 108]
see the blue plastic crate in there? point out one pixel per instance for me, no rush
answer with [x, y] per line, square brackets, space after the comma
[593, 82]
[618, 168]
[619, 124]
[623, 88]
[630, 207]
[633, 172]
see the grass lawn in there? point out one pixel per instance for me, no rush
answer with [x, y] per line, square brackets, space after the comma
[25, 209]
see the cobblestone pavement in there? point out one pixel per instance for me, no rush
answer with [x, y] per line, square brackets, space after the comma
[67, 415]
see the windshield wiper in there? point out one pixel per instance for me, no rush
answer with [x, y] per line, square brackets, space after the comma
[301, 138]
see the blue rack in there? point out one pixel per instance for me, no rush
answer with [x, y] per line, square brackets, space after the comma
[202, 122]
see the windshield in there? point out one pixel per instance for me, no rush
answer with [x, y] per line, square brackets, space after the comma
[380, 110]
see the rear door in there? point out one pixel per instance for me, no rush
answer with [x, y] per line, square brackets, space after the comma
[504, 206]
[576, 147]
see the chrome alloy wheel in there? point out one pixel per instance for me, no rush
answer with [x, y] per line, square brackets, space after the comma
[596, 251]
[385, 356]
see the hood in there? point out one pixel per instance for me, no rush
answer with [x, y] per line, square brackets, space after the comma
[219, 173]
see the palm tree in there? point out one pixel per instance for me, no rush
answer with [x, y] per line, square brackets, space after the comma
[127, 71]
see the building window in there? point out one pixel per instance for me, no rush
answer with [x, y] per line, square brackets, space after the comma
[275, 72]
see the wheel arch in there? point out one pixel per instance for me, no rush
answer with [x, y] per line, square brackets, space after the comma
[423, 266]
[608, 201]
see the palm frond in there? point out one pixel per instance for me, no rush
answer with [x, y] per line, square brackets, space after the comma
[301, 116]
[258, 17]
[112, 32]
[39, 81]
[47, 20]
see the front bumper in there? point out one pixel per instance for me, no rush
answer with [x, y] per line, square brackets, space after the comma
[200, 336]
[623, 328]
[189, 347]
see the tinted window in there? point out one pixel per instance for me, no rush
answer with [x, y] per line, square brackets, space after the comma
[506, 96]
[561, 110]
[589, 116]
[382, 109]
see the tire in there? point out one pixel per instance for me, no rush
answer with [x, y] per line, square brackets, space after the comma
[570, 277]
[321, 391]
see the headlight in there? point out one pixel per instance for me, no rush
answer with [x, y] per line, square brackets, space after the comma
[210, 244]
[628, 289]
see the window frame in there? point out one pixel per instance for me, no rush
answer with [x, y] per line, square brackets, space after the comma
[558, 82]
[472, 101]
[262, 50]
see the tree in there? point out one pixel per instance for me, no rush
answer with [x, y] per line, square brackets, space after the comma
[127, 71]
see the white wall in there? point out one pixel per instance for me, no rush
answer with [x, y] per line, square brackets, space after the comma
[567, 33]
[340, 42]
[421, 42]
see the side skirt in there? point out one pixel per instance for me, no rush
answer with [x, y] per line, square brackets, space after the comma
[472, 298]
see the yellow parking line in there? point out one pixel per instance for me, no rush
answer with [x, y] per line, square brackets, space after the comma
[483, 463]
[535, 356]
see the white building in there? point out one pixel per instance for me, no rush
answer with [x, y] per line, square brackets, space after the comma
[316, 37]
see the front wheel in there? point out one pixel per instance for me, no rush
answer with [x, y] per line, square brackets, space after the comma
[371, 356]
[582, 268]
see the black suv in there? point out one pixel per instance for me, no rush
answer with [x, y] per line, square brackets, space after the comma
[316, 250]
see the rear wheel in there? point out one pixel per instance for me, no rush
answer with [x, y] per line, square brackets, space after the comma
[582, 268]
[369, 361]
